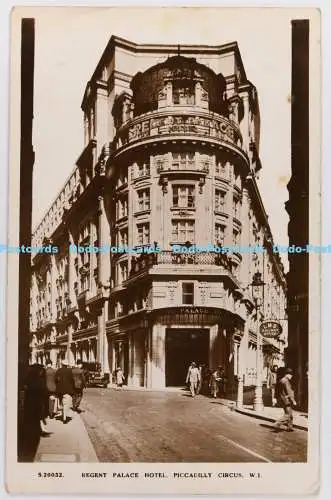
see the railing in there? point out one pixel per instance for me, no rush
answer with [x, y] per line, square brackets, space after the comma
[206, 124]
[146, 261]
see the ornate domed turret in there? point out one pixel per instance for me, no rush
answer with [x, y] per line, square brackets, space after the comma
[178, 81]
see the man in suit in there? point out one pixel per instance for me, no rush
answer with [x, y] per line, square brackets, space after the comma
[51, 388]
[286, 399]
[65, 388]
[193, 378]
[79, 384]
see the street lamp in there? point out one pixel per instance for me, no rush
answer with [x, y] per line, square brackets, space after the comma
[257, 293]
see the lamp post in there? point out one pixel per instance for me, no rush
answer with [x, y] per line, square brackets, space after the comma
[257, 293]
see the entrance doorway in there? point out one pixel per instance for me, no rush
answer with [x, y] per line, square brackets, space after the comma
[182, 347]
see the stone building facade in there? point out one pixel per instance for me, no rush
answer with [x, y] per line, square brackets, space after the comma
[170, 159]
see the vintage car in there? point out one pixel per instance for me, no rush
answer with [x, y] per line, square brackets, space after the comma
[94, 376]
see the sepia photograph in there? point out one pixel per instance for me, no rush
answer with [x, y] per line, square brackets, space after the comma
[163, 250]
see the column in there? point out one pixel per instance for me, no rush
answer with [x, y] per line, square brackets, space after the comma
[70, 357]
[242, 356]
[148, 376]
[104, 275]
[139, 358]
[105, 363]
[169, 94]
[213, 344]
[104, 239]
[53, 356]
[131, 359]
[101, 339]
[244, 125]
[101, 117]
[53, 288]
[157, 362]
[245, 238]
[71, 271]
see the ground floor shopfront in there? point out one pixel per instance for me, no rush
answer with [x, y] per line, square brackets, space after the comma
[154, 349]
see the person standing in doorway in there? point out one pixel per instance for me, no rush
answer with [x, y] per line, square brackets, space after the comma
[79, 385]
[286, 399]
[193, 378]
[271, 383]
[65, 388]
[50, 374]
[119, 377]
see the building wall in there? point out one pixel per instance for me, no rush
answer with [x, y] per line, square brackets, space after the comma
[181, 171]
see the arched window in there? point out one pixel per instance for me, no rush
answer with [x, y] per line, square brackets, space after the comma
[183, 92]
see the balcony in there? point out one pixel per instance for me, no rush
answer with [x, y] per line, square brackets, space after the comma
[203, 125]
[169, 262]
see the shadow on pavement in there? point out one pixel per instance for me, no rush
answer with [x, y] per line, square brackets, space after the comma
[272, 428]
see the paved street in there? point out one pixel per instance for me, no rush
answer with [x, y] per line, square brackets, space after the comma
[144, 426]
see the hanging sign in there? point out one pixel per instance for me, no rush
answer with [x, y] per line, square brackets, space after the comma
[270, 329]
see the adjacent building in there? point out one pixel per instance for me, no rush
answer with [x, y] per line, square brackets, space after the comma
[298, 210]
[169, 165]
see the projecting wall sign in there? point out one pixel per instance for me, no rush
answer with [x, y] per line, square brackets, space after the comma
[271, 329]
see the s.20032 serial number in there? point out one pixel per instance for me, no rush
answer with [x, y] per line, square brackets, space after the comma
[50, 474]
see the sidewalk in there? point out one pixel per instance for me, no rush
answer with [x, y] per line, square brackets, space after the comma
[66, 443]
[270, 414]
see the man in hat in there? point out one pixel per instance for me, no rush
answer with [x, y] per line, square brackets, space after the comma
[79, 385]
[193, 378]
[286, 399]
[65, 388]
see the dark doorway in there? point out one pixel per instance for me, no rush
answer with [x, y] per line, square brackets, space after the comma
[183, 347]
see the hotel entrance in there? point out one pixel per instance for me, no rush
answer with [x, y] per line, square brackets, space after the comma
[182, 347]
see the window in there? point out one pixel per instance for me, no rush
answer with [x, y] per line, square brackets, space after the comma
[205, 162]
[143, 169]
[122, 178]
[183, 196]
[123, 237]
[183, 231]
[219, 200]
[143, 199]
[122, 208]
[123, 271]
[219, 234]
[236, 237]
[160, 162]
[143, 234]
[183, 93]
[236, 208]
[188, 293]
[220, 168]
[183, 161]
[84, 232]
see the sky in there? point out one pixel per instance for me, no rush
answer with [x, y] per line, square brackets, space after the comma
[69, 44]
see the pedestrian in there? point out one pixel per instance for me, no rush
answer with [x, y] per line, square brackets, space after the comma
[119, 377]
[201, 371]
[51, 388]
[286, 399]
[79, 385]
[193, 378]
[65, 388]
[271, 383]
[217, 382]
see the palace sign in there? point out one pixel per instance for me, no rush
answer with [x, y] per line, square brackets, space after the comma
[270, 329]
